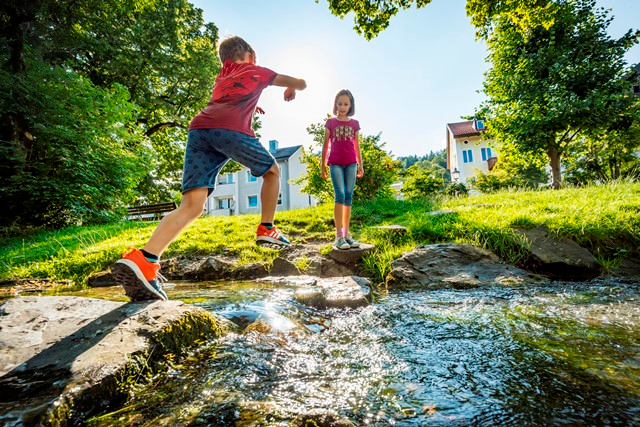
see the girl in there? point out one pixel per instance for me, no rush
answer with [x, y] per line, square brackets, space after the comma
[345, 163]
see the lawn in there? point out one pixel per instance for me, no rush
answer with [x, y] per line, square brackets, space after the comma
[604, 218]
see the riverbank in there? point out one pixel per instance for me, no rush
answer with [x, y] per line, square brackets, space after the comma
[604, 219]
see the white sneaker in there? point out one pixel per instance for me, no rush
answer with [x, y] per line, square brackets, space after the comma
[341, 243]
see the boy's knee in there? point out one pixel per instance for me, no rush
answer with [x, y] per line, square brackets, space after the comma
[272, 172]
[195, 210]
[192, 203]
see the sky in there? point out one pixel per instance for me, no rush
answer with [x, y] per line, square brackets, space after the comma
[424, 71]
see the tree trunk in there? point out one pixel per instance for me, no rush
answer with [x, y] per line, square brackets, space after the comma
[17, 20]
[554, 162]
[615, 169]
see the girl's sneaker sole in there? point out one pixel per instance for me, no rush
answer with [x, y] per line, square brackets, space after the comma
[136, 288]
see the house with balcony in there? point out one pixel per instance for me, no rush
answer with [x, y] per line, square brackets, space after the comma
[239, 192]
[467, 151]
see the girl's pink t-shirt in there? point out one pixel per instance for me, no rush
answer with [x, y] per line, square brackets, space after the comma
[234, 98]
[342, 136]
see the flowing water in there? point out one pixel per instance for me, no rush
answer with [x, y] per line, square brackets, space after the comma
[564, 354]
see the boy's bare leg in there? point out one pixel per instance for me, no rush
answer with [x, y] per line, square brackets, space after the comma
[172, 225]
[269, 193]
[338, 215]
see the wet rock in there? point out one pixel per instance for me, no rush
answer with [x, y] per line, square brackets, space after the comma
[261, 319]
[331, 268]
[449, 265]
[558, 257]
[284, 267]
[22, 287]
[291, 281]
[321, 418]
[64, 358]
[205, 268]
[291, 261]
[629, 267]
[351, 256]
[337, 292]
[251, 271]
[101, 279]
[308, 260]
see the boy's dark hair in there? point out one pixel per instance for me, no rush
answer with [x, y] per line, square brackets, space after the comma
[352, 107]
[233, 48]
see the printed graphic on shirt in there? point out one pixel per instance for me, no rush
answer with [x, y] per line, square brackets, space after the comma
[236, 86]
[343, 132]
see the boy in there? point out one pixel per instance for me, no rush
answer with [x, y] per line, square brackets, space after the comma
[220, 132]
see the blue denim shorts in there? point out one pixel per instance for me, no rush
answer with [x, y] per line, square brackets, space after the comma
[208, 150]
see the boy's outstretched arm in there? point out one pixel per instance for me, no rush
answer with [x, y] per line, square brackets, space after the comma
[291, 83]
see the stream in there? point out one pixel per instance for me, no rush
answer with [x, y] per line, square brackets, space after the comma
[561, 354]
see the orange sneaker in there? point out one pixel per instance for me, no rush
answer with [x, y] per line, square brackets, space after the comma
[139, 277]
[271, 235]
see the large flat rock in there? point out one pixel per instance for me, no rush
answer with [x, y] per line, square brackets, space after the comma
[558, 257]
[449, 265]
[62, 358]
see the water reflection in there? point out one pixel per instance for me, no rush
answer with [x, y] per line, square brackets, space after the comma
[563, 354]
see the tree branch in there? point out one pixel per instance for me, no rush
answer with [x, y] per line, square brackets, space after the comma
[160, 126]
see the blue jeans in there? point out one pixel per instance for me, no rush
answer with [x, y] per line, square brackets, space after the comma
[344, 181]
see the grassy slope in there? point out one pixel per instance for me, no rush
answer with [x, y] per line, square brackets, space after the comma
[605, 219]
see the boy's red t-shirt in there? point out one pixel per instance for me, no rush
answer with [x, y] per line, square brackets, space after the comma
[234, 98]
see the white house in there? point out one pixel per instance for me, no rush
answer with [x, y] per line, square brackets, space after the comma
[467, 152]
[239, 192]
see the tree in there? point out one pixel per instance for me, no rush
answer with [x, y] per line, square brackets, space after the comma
[421, 183]
[546, 87]
[373, 16]
[156, 58]
[551, 56]
[605, 156]
[515, 169]
[434, 161]
[70, 166]
[380, 170]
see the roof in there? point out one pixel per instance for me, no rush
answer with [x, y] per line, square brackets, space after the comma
[286, 152]
[460, 129]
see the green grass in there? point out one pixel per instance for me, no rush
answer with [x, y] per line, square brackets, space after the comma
[605, 219]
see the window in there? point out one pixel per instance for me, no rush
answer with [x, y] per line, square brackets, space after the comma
[251, 178]
[467, 156]
[280, 198]
[479, 124]
[486, 153]
[252, 201]
[223, 203]
[227, 178]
